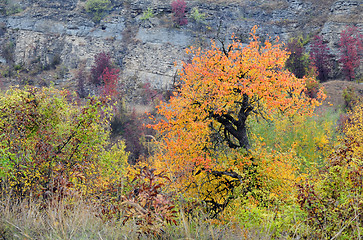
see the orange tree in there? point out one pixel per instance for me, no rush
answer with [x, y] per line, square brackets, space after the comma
[204, 127]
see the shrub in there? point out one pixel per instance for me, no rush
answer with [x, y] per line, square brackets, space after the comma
[81, 80]
[147, 14]
[52, 147]
[98, 8]
[350, 98]
[9, 7]
[8, 52]
[110, 79]
[55, 61]
[102, 61]
[320, 57]
[351, 50]
[178, 7]
[197, 16]
[146, 203]
[312, 88]
[298, 61]
[332, 198]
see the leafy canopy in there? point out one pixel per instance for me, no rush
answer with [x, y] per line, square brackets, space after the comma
[205, 122]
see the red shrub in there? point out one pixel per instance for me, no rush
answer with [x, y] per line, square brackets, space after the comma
[351, 50]
[110, 79]
[102, 61]
[320, 57]
[178, 7]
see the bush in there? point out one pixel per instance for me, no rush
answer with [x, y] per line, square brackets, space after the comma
[98, 8]
[320, 57]
[55, 61]
[351, 50]
[102, 61]
[197, 16]
[350, 98]
[8, 7]
[50, 147]
[332, 198]
[178, 7]
[81, 81]
[147, 14]
[312, 88]
[110, 80]
[146, 203]
[298, 61]
[8, 52]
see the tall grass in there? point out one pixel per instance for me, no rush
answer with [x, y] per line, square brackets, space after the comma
[312, 138]
[78, 220]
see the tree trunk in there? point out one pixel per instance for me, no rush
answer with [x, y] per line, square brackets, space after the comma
[236, 127]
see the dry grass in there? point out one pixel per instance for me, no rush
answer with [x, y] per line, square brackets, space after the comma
[27, 220]
[77, 220]
[334, 92]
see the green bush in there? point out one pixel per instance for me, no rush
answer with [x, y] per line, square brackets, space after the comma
[98, 8]
[196, 15]
[147, 14]
[50, 145]
[350, 98]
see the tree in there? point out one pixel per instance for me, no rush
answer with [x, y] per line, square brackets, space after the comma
[320, 57]
[351, 50]
[205, 124]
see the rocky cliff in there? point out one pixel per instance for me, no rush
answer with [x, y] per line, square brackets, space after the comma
[44, 31]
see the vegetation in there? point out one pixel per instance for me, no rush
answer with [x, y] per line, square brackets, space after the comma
[320, 57]
[204, 140]
[52, 147]
[197, 16]
[351, 49]
[298, 61]
[179, 10]
[241, 149]
[147, 14]
[9, 7]
[101, 62]
[97, 8]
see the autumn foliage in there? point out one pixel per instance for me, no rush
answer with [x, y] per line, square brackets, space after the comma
[351, 50]
[238, 145]
[179, 9]
[110, 79]
[332, 198]
[297, 61]
[204, 126]
[101, 62]
[51, 146]
[320, 57]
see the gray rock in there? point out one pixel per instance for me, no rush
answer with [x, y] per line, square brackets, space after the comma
[146, 51]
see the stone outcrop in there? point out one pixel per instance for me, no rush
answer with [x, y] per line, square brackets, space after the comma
[146, 50]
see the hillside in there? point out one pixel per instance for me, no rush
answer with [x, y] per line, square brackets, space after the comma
[239, 144]
[41, 34]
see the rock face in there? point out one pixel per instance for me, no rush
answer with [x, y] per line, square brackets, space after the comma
[146, 50]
